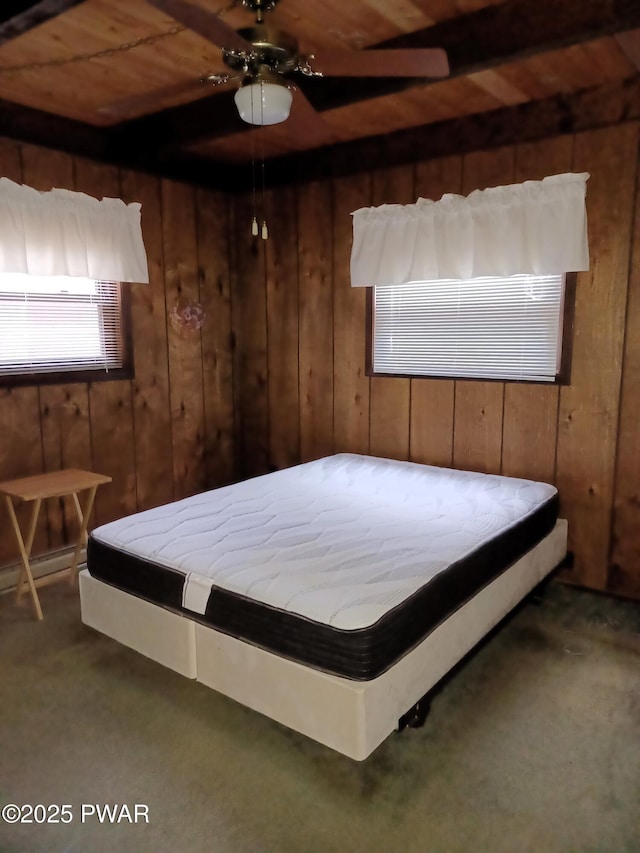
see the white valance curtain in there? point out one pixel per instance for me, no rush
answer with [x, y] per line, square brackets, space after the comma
[533, 228]
[68, 233]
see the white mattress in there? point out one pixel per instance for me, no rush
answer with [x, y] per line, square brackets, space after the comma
[340, 541]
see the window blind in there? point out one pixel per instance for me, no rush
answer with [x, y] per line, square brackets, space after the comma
[491, 328]
[50, 324]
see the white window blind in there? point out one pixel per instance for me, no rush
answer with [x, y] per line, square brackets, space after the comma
[56, 323]
[484, 328]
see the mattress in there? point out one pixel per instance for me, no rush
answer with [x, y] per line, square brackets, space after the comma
[343, 564]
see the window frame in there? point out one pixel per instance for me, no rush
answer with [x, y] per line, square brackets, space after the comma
[563, 377]
[89, 374]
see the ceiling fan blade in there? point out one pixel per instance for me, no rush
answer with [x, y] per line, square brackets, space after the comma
[305, 127]
[206, 24]
[404, 62]
[145, 102]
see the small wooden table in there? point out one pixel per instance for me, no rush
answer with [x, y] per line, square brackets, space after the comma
[56, 484]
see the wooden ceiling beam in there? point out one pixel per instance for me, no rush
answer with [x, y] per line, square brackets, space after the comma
[24, 124]
[517, 28]
[593, 108]
[586, 110]
[481, 40]
[20, 16]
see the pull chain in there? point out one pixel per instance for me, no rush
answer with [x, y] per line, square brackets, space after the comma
[265, 231]
[254, 221]
[256, 230]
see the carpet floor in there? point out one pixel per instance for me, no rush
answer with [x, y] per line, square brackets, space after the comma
[532, 745]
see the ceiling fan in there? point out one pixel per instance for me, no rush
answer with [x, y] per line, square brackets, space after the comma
[262, 60]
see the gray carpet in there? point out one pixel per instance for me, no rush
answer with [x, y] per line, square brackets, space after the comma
[533, 745]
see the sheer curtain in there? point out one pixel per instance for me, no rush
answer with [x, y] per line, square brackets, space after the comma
[70, 234]
[534, 228]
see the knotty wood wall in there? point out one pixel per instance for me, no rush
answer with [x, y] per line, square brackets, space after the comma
[168, 432]
[300, 385]
[276, 375]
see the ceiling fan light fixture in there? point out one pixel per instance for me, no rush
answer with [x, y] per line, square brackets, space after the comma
[263, 103]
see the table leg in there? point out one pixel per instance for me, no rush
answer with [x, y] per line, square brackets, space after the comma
[79, 512]
[83, 517]
[25, 552]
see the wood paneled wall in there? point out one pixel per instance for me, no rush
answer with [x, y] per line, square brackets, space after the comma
[276, 375]
[169, 432]
[300, 385]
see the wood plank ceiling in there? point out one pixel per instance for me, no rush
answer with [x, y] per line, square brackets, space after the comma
[517, 66]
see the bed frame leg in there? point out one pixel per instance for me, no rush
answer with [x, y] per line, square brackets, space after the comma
[416, 716]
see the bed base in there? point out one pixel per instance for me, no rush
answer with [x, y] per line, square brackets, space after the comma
[351, 717]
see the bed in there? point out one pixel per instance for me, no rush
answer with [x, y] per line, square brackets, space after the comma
[330, 596]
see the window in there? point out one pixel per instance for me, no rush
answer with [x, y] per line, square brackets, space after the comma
[53, 325]
[480, 328]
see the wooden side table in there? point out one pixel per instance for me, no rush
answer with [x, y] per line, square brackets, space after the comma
[56, 484]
